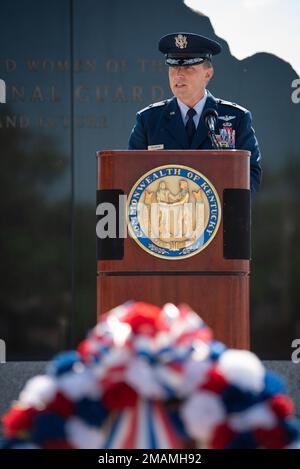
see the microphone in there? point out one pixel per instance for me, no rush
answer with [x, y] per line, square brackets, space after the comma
[210, 117]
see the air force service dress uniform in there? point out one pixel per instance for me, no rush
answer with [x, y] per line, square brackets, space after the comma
[160, 125]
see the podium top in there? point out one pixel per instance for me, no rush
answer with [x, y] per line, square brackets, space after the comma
[239, 153]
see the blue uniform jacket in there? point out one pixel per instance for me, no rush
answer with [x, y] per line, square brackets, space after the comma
[161, 124]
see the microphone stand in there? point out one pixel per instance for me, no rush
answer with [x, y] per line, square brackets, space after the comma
[214, 140]
[210, 117]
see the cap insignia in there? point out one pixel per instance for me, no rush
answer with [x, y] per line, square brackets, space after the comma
[181, 41]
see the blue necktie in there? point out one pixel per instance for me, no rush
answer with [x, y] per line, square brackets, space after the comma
[190, 125]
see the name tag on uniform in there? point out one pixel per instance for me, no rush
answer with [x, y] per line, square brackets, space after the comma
[156, 147]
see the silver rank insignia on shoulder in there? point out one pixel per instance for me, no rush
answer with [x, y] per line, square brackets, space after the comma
[156, 147]
[227, 118]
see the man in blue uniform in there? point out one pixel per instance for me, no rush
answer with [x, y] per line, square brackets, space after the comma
[178, 123]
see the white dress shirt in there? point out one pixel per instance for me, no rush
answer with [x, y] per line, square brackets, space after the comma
[198, 108]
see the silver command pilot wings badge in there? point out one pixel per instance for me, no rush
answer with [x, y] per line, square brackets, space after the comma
[227, 118]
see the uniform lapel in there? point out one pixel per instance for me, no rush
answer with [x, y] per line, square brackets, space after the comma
[173, 124]
[202, 132]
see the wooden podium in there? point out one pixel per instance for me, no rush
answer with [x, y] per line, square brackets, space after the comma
[215, 281]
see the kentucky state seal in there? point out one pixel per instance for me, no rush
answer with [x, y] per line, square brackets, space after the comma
[173, 212]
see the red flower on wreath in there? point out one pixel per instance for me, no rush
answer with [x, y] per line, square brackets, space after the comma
[18, 420]
[145, 319]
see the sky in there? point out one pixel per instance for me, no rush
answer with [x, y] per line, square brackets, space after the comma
[251, 26]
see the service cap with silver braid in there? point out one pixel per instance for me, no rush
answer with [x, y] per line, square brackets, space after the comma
[186, 49]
